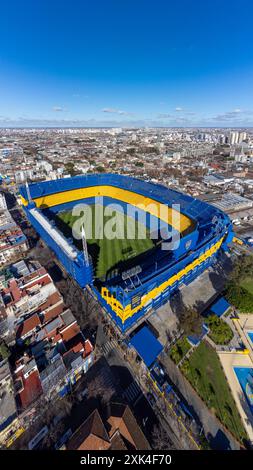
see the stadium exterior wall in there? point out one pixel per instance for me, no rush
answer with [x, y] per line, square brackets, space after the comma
[126, 308]
[76, 268]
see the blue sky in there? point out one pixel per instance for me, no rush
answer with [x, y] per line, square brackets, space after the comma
[126, 62]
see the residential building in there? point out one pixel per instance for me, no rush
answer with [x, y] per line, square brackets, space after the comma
[8, 409]
[118, 431]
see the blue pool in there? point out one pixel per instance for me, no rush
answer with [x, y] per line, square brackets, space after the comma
[245, 378]
[250, 335]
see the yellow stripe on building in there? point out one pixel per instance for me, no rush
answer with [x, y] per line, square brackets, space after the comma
[153, 207]
[237, 240]
[126, 312]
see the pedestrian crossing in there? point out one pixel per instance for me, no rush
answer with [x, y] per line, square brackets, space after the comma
[107, 380]
[108, 346]
[132, 392]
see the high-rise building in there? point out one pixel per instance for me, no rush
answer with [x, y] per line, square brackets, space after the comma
[242, 137]
[234, 138]
[237, 137]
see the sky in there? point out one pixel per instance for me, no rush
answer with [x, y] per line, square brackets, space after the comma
[126, 63]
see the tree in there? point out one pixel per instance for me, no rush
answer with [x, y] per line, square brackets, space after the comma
[220, 332]
[83, 306]
[242, 268]
[99, 388]
[4, 350]
[100, 169]
[160, 439]
[69, 167]
[191, 321]
[42, 254]
[239, 297]
[53, 435]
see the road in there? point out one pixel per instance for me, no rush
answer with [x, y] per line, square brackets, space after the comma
[134, 393]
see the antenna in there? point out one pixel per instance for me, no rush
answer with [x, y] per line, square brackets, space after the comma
[28, 192]
[85, 250]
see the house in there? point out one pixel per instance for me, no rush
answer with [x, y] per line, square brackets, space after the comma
[28, 327]
[27, 383]
[27, 288]
[119, 431]
[91, 435]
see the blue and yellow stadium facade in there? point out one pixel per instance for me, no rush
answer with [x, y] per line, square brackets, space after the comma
[204, 230]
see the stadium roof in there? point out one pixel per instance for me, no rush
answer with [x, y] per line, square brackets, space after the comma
[146, 345]
[220, 307]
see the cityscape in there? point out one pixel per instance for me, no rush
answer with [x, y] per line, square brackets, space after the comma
[126, 241]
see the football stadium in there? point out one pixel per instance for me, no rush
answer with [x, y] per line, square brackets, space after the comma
[133, 242]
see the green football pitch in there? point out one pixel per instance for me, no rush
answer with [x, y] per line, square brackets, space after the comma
[107, 254]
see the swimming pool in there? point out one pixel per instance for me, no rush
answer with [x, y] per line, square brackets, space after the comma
[250, 335]
[245, 378]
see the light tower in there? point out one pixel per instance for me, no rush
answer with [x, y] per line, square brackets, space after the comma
[85, 249]
[28, 192]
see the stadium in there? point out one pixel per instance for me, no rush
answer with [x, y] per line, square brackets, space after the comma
[130, 275]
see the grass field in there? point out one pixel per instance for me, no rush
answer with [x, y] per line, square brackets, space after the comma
[107, 254]
[204, 371]
[248, 284]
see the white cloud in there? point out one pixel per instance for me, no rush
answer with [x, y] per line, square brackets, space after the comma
[117, 111]
[58, 109]
[235, 115]
[165, 116]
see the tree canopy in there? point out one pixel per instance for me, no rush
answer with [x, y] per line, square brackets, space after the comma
[191, 321]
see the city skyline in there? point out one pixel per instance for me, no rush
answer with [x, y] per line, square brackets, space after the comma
[125, 65]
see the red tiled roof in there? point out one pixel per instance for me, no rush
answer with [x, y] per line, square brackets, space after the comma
[88, 348]
[28, 325]
[53, 312]
[14, 290]
[78, 347]
[51, 300]
[43, 281]
[91, 435]
[56, 338]
[70, 331]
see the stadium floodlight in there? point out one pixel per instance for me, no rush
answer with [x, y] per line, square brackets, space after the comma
[28, 191]
[85, 249]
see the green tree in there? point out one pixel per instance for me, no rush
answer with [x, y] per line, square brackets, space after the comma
[4, 350]
[69, 167]
[220, 331]
[100, 169]
[239, 297]
[191, 321]
[242, 268]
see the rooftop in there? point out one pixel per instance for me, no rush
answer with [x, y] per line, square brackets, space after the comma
[146, 345]
[7, 400]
